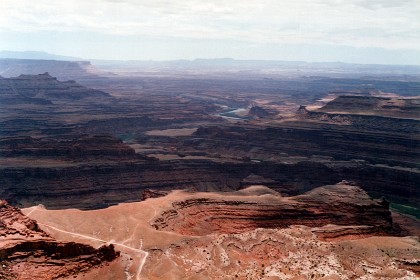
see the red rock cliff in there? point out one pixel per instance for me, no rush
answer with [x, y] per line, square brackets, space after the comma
[27, 252]
[340, 204]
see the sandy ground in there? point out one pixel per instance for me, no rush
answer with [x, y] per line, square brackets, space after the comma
[125, 225]
[292, 253]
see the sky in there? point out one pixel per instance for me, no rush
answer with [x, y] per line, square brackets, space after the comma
[358, 31]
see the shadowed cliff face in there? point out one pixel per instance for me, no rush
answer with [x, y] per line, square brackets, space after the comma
[27, 252]
[67, 146]
[339, 204]
[120, 176]
[45, 158]
[359, 138]
[43, 89]
[106, 171]
[82, 147]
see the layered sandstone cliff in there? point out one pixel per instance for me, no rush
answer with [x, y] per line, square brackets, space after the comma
[259, 207]
[43, 89]
[84, 146]
[27, 252]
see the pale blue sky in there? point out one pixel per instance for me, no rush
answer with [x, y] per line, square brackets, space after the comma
[362, 31]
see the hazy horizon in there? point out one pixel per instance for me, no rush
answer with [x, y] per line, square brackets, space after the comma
[355, 31]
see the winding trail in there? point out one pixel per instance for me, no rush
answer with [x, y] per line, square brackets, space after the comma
[29, 213]
[142, 255]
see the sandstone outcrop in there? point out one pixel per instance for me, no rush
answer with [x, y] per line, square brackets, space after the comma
[374, 105]
[258, 112]
[43, 89]
[325, 252]
[340, 204]
[148, 193]
[290, 253]
[27, 252]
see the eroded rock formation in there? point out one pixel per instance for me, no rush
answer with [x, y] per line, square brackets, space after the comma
[44, 157]
[43, 89]
[27, 252]
[291, 253]
[84, 146]
[204, 245]
[340, 204]
[258, 112]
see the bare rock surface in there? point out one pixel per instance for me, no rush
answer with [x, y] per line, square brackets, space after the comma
[27, 252]
[340, 204]
[292, 253]
[353, 248]
[43, 89]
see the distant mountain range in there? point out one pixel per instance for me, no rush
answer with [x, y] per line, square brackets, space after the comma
[37, 55]
[13, 63]
[80, 71]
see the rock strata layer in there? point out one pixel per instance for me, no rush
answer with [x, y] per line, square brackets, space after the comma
[341, 204]
[27, 252]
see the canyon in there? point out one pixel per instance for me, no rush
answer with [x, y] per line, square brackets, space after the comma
[247, 175]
